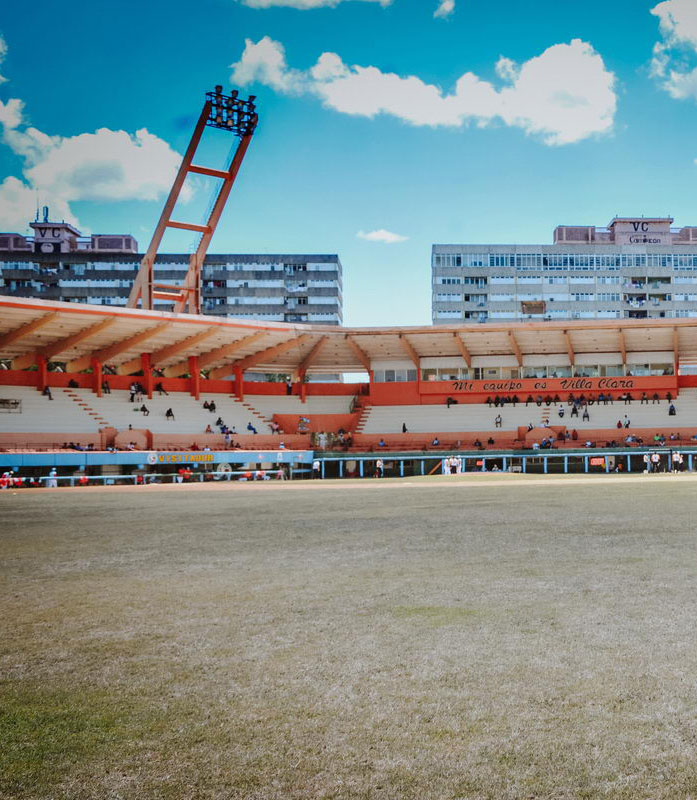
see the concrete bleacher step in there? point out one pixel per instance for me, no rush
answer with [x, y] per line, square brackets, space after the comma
[98, 418]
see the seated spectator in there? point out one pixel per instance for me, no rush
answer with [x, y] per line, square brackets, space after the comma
[574, 434]
[382, 443]
[451, 401]
[47, 393]
[73, 384]
[515, 400]
[160, 389]
[281, 445]
[106, 389]
[529, 400]
[656, 398]
[435, 442]
[560, 412]
[498, 421]
[489, 401]
[275, 427]
[490, 441]
[145, 410]
[206, 405]
[476, 443]
[251, 428]
[530, 426]
[211, 406]
[169, 414]
[671, 410]
[209, 429]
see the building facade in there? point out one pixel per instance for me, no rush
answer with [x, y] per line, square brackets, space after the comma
[636, 267]
[57, 263]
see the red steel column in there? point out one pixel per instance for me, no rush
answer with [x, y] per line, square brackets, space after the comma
[194, 377]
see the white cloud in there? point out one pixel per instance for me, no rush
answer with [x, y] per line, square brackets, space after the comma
[106, 165]
[563, 95]
[445, 8]
[674, 55]
[303, 5]
[381, 235]
[3, 54]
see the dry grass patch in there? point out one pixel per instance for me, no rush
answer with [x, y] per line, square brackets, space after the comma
[461, 641]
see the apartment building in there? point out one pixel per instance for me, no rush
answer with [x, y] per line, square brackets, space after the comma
[636, 267]
[58, 263]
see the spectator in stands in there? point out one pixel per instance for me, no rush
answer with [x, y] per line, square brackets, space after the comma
[316, 468]
[208, 429]
[404, 427]
[529, 400]
[289, 387]
[477, 443]
[515, 400]
[73, 384]
[106, 389]
[498, 420]
[530, 426]
[644, 399]
[132, 389]
[451, 401]
[669, 396]
[251, 428]
[435, 442]
[619, 424]
[574, 434]
[219, 422]
[145, 410]
[627, 423]
[379, 468]
[628, 399]
[488, 401]
[672, 410]
[655, 399]
[211, 406]
[47, 393]
[490, 441]
[206, 405]
[586, 416]
[560, 412]
[169, 414]
[574, 410]
[160, 389]
[382, 442]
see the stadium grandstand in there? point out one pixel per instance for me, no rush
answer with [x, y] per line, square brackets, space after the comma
[69, 372]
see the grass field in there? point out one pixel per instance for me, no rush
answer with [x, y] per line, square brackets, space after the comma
[470, 639]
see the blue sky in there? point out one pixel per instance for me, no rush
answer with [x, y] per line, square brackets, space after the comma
[568, 114]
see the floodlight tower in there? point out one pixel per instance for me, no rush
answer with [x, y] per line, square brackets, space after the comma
[229, 113]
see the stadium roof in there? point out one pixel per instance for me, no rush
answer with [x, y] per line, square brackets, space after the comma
[77, 333]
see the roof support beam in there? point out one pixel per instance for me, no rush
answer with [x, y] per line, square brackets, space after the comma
[623, 345]
[52, 350]
[409, 349]
[174, 349]
[570, 348]
[312, 355]
[462, 347]
[105, 355]
[515, 347]
[258, 358]
[227, 350]
[24, 330]
[360, 354]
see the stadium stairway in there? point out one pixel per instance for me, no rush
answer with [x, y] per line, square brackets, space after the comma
[190, 417]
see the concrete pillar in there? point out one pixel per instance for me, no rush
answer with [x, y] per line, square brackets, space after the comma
[97, 377]
[147, 374]
[194, 377]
